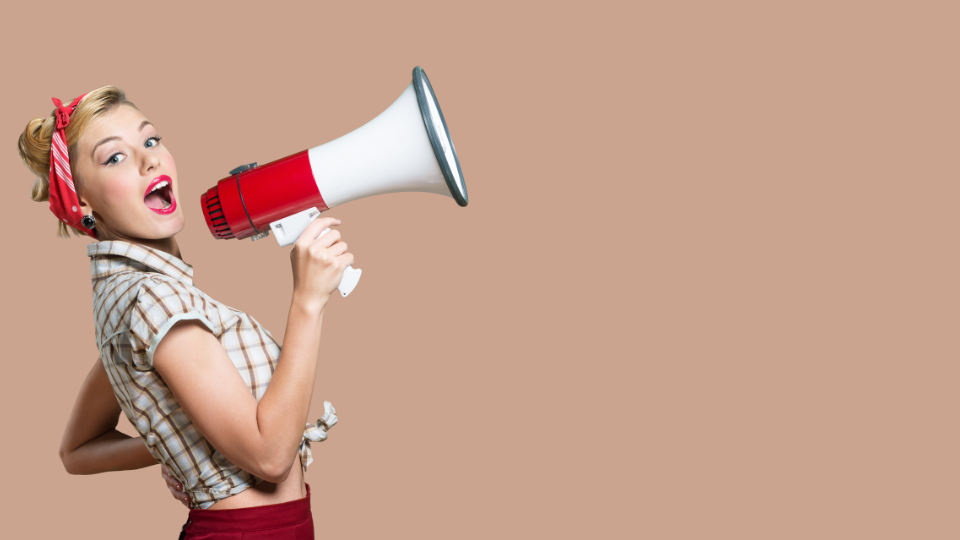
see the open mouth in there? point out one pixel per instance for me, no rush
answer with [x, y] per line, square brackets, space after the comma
[159, 196]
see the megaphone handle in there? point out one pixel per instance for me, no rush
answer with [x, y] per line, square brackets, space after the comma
[288, 229]
[351, 275]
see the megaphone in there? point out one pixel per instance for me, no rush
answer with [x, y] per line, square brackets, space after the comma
[406, 148]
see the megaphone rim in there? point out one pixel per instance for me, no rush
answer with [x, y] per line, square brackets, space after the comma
[421, 84]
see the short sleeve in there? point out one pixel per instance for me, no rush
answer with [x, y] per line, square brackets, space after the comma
[161, 303]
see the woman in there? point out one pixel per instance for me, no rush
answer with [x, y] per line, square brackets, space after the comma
[214, 399]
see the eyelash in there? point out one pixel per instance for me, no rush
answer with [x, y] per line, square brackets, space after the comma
[115, 154]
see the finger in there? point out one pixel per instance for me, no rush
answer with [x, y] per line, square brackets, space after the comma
[315, 227]
[182, 497]
[172, 482]
[346, 259]
[337, 249]
[319, 252]
[328, 239]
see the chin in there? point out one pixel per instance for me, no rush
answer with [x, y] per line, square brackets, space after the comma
[170, 228]
[174, 228]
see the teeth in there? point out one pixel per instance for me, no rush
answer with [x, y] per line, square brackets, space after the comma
[158, 186]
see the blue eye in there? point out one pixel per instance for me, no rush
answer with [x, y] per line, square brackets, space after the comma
[114, 159]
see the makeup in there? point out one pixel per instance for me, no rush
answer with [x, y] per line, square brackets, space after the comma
[159, 195]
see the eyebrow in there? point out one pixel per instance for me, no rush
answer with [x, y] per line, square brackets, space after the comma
[115, 138]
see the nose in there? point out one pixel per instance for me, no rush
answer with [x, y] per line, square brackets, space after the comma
[149, 161]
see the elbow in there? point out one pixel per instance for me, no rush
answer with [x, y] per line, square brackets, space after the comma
[67, 462]
[274, 475]
[274, 471]
[277, 478]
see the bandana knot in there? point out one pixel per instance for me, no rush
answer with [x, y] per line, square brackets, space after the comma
[63, 112]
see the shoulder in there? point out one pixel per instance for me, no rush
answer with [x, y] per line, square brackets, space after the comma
[165, 292]
[114, 297]
[161, 302]
[161, 298]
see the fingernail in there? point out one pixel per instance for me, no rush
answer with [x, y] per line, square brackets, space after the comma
[179, 487]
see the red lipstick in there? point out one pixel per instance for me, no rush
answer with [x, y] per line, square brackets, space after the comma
[159, 193]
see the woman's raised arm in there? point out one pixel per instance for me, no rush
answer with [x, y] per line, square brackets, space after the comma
[91, 443]
[262, 437]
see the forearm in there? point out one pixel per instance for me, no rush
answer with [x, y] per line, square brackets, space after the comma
[112, 451]
[282, 411]
[91, 443]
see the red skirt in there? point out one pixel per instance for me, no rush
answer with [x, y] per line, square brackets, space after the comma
[285, 521]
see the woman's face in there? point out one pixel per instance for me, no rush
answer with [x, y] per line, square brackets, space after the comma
[128, 180]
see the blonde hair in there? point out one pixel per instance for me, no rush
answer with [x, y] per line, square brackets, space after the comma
[34, 143]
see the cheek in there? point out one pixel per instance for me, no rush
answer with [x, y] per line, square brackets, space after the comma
[118, 192]
[166, 159]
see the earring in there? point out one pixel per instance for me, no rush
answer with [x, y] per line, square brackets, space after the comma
[88, 221]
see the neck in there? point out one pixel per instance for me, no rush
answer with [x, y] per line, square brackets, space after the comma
[167, 245]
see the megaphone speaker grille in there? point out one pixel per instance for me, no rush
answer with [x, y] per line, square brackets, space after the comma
[213, 214]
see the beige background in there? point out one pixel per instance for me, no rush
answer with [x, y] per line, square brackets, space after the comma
[705, 287]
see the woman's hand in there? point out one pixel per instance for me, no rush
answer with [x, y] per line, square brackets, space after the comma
[318, 263]
[174, 486]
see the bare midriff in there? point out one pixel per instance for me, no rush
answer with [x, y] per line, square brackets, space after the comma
[266, 493]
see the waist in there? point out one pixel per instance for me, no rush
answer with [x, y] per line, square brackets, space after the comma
[266, 493]
[252, 517]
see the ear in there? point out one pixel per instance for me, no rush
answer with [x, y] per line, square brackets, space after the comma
[85, 207]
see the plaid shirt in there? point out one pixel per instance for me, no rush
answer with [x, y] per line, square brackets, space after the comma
[139, 293]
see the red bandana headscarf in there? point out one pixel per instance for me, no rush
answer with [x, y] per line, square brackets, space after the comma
[63, 195]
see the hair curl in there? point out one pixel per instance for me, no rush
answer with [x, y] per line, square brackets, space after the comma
[34, 143]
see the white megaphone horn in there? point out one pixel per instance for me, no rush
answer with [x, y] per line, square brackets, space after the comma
[406, 148]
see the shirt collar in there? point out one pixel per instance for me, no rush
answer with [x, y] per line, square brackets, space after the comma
[115, 256]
